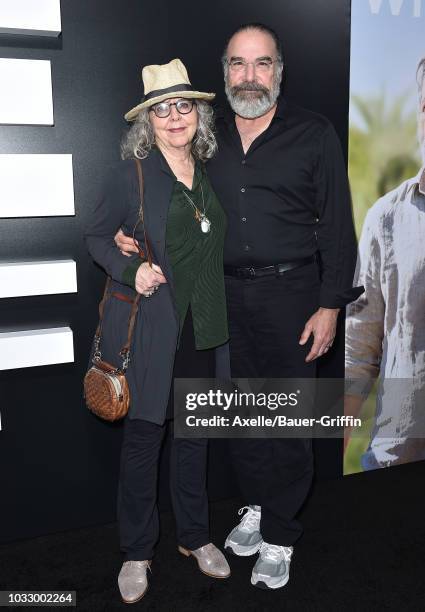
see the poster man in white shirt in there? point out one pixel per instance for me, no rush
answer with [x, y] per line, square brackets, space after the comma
[385, 327]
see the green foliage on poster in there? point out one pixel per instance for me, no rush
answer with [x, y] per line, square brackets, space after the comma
[381, 152]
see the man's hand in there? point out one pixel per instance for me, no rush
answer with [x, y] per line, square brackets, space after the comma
[323, 327]
[125, 243]
[148, 279]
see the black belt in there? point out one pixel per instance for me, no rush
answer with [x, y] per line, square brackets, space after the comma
[277, 269]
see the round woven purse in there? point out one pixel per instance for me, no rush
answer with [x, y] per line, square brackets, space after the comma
[106, 391]
[105, 386]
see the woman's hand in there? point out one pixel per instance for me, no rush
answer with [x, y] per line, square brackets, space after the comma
[125, 243]
[148, 279]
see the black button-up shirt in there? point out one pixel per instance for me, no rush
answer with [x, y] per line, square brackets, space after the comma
[288, 197]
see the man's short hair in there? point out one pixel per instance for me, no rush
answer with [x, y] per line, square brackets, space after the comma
[420, 76]
[260, 27]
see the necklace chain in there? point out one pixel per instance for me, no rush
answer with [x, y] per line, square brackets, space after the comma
[201, 217]
[192, 203]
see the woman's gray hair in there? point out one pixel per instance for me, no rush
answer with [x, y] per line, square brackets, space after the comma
[140, 138]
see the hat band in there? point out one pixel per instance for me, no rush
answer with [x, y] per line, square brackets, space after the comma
[160, 92]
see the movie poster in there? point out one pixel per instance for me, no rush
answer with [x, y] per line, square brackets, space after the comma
[385, 328]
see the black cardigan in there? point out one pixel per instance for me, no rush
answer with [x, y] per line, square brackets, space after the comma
[156, 331]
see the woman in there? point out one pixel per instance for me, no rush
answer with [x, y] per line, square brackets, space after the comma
[181, 317]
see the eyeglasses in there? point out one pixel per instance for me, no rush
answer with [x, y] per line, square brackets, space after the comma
[262, 65]
[163, 109]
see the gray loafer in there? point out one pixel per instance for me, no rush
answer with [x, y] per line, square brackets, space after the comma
[132, 580]
[211, 560]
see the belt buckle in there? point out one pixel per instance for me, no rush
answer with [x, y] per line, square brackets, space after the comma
[251, 272]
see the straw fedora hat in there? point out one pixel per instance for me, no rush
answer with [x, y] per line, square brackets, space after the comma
[162, 81]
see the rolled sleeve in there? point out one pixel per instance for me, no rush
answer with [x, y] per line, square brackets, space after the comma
[336, 237]
[366, 317]
[129, 274]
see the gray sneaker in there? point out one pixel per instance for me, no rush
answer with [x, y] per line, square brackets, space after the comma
[132, 580]
[245, 539]
[272, 568]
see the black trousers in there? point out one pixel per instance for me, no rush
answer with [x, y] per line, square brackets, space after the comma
[137, 491]
[266, 318]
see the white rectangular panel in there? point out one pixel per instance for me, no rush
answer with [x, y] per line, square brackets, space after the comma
[32, 17]
[26, 92]
[37, 278]
[36, 185]
[37, 347]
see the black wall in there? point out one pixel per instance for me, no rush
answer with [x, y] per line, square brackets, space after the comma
[58, 463]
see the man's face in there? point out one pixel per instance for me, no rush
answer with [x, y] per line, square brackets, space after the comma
[421, 125]
[253, 84]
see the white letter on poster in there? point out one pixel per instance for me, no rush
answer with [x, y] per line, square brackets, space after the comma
[376, 5]
[417, 8]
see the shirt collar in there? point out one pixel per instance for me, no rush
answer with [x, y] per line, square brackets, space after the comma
[282, 108]
[421, 181]
[198, 174]
[418, 182]
[163, 162]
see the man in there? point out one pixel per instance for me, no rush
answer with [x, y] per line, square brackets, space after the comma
[385, 331]
[281, 179]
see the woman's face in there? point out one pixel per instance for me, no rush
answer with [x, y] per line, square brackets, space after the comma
[177, 130]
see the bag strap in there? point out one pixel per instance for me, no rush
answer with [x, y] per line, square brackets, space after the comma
[141, 216]
[125, 351]
[97, 354]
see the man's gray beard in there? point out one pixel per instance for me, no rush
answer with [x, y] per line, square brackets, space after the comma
[252, 106]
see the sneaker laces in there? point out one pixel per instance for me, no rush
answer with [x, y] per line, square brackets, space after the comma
[251, 520]
[275, 553]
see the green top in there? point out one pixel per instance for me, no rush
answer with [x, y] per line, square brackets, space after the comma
[196, 259]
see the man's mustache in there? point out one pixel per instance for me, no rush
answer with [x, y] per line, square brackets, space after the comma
[249, 86]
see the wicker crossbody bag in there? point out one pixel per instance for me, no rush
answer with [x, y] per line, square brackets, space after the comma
[106, 388]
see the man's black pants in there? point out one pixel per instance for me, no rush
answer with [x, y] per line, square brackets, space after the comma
[266, 318]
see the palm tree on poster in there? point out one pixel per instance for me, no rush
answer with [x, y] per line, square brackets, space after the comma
[382, 152]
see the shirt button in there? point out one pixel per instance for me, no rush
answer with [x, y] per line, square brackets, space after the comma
[244, 219]
[243, 162]
[246, 247]
[243, 190]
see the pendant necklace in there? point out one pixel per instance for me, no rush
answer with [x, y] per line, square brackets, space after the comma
[200, 216]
